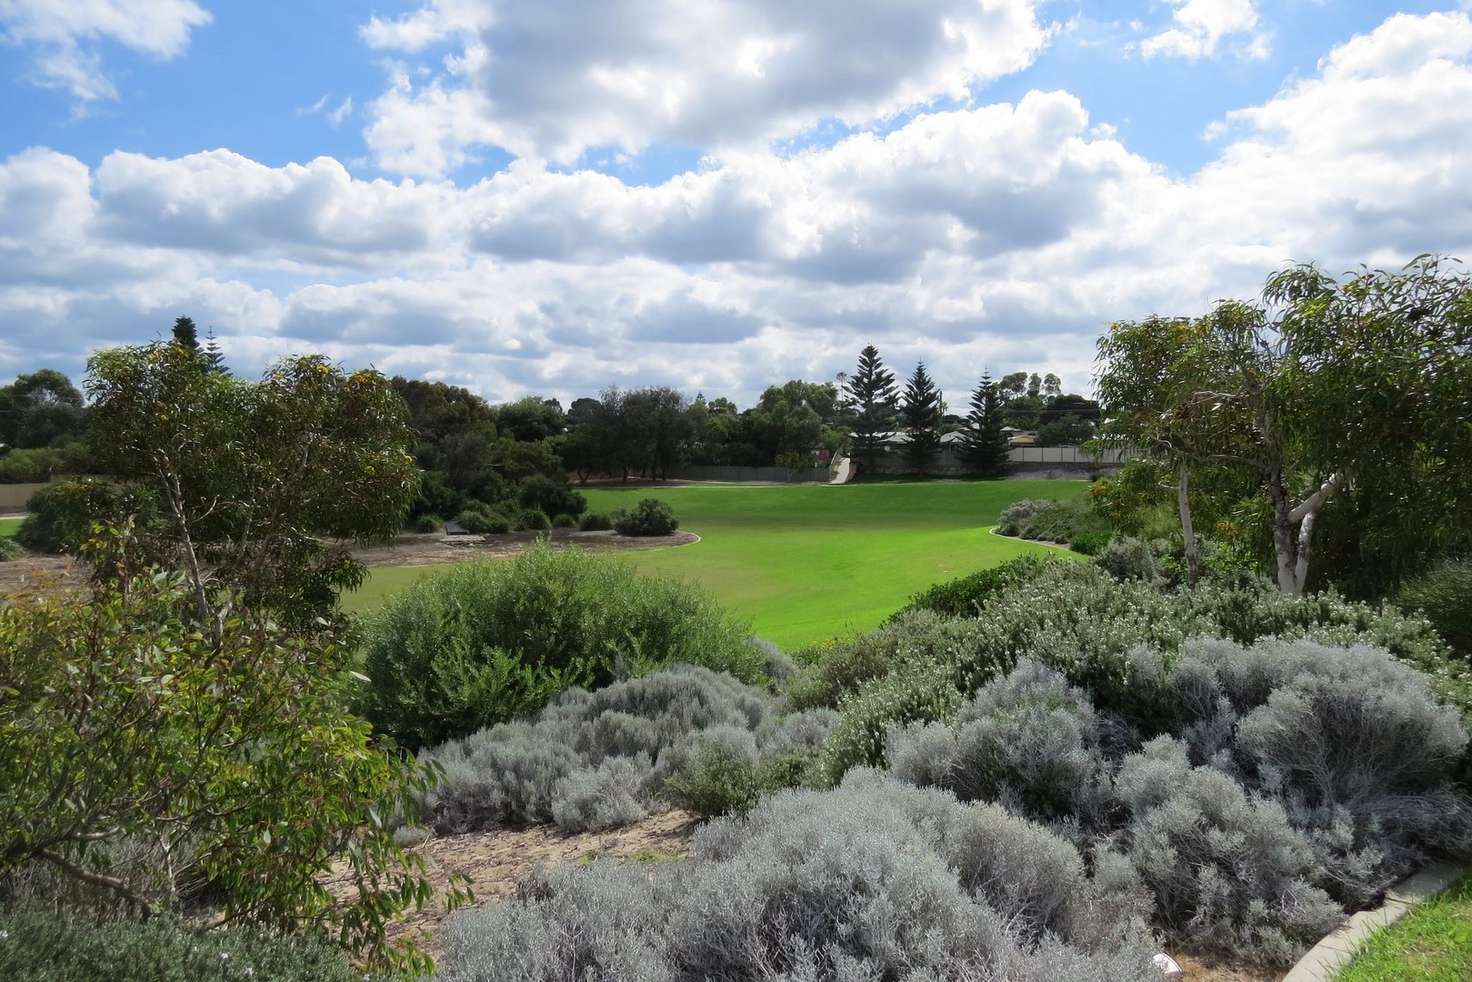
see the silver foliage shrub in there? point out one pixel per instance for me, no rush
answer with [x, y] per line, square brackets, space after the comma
[591, 760]
[1228, 869]
[872, 880]
[1027, 739]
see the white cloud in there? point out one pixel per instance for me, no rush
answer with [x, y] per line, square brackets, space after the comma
[64, 35]
[1206, 28]
[552, 80]
[1003, 235]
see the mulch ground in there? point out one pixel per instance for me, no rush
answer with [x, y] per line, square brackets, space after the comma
[428, 550]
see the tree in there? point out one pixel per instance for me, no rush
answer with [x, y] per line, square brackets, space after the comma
[214, 357]
[788, 419]
[227, 763]
[185, 333]
[920, 415]
[872, 400]
[42, 409]
[1052, 386]
[1349, 391]
[259, 481]
[984, 446]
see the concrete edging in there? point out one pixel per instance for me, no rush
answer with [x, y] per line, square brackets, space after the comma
[1326, 959]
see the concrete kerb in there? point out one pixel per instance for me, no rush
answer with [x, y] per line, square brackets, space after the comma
[1326, 959]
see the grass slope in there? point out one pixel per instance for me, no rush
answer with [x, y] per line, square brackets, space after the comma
[9, 526]
[807, 562]
[1432, 942]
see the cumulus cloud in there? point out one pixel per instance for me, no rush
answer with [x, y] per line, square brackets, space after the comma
[553, 80]
[1206, 28]
[1000, 236]
[64, 36]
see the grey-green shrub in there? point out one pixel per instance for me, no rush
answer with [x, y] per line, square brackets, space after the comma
[1128, 558]
[924, 692]
[1027, 739]
[1228, 870]
[843, 665]
[10, 549]
[966, 595]
[594, 760]
[481, 643]
[47, 947]
[1443, 595]
[1016, 516]
[870, 881]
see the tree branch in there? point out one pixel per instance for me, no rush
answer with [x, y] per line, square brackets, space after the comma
[1315, 501]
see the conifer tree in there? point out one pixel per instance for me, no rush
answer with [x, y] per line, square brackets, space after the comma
[214, 358]
[871, 396]
[985, 446]
[185, 333]
[920, 417]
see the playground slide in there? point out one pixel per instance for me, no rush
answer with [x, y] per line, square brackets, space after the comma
[842, 470]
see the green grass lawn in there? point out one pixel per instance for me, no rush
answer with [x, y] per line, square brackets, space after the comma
[1432, 942]
[807, 562]
[9, 526]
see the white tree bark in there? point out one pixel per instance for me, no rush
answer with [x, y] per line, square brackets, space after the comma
[1188, 530]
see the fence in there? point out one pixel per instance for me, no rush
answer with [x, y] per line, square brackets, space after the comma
[13, 497]
[736, 475]
[1020, 459]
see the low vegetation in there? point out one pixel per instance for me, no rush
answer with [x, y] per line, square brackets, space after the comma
[484, 643]
[1433, 942]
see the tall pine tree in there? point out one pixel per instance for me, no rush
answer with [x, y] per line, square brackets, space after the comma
[871, 397]
[985, 446]
[185, 333]
[214, 358]
[920, 417]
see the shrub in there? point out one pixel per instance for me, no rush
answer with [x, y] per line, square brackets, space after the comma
[481, 520]
[872, 880]
[965, 597]
[1016, 516]
[1063, 521]
[840, 667]
[10, 549]
[719, 776]
[62, 514]
[1228, 871]
[596, 521]
[550, 497]
[1443, 595]
[1090, 542]
[594, 760]
[46, 947]
[1128, 559]
[1028, 740]
[229, 752]
[428, 524]
[564, 522]
[649, 517]
[533, 520]
[482, 643]
[922, 693]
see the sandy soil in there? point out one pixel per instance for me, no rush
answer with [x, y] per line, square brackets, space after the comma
[495, 862]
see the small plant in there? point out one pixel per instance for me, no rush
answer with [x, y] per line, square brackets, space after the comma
[428, 524]
[10, 549]
[564, 522]
[1128, 558]
[483, 521]
[596, 521]
[649, 517]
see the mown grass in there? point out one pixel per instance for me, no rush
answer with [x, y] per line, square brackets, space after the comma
[9, 526]
[807, 562]
[1432, 942]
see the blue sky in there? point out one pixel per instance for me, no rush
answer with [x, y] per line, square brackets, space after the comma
[557, 197]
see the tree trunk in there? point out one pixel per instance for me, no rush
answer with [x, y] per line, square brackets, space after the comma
[1188, 531]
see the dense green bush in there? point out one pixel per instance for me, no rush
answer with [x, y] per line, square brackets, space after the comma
[564, 522]
[838, 667]
[480, 520]
[533, 520]
[1443, 595]
[62, 514]
[483, 643]
[596, 521]
[550, 497]
[649, 517]
[923, 692]
[964, 597]
[45, 947]
[1090, 542]
[428, 524]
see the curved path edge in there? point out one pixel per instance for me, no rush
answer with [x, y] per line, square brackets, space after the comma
[1328, 958]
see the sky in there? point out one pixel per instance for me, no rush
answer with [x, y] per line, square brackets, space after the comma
[718, 195]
